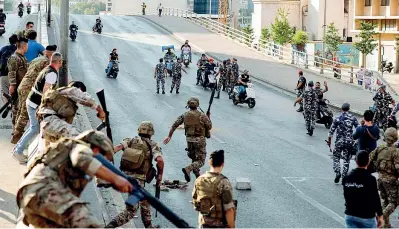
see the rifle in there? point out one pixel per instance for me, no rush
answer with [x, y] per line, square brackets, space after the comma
[329, 146]
[5, 109]
[157, 190]
[208, 132]
[138, 194]
[101, 98]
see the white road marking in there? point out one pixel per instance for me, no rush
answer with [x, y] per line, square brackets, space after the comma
[218, 139]
[167, 104]
[316, 204]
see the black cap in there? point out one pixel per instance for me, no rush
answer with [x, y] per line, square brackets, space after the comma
[311, 84]
[345, 106]
[51, 48]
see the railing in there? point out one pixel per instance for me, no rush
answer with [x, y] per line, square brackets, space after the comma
[287, 54]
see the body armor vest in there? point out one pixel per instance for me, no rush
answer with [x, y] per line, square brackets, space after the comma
[137, 158]
[192, 124]
[65, 107]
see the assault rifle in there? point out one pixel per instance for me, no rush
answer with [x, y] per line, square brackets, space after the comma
[157, 190]
[105, 124]
[5, 109]
[208, 112]
[138, 194]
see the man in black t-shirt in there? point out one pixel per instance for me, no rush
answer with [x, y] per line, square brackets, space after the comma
[300, 87]
[113, 56]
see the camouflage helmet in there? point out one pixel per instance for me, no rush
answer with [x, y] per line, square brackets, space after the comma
[146, 127]
[28, 32]
[193, 102]
[97, 138]
[390, 135]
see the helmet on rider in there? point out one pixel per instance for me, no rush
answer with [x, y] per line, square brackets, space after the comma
[1, 10]
[193, 102]
[98, 139]
[73, 22]
[246, 72]
[146, 128]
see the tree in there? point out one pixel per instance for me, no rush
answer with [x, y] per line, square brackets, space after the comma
[281, 31]
[265, 37]
[332, 39]
[300, 39]
[8, 5]
[89, 8]
[56, 3]
[367, 43]
[249, 34]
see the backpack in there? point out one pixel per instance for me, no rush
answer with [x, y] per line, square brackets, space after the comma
[9, 50]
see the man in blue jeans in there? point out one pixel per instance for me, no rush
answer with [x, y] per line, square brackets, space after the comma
[362, 201]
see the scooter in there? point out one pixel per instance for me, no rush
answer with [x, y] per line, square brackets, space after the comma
[186, 59]
[113, 72]
[326, 115]
[20, 12]
[28, 9]
[73, 34]
[386, 67]
[2, 28]
[249, 96]
[98, 28]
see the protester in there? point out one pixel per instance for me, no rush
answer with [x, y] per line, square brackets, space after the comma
[368, 133]
[362, 201]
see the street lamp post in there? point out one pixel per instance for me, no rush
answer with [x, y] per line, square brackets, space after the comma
[324, 36]
[64, 29]
[48, 12]
[210, 9]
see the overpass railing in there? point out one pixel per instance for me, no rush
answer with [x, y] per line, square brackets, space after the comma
[287, 54]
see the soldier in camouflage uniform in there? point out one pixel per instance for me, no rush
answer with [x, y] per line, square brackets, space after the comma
[382, 101]
[344, 125]
[222, 79]
[300, 88]
[35, 67]
[385, 159]
[49, 195]
[134, 148]
[234, 73]
[176, 80]
[17, 68]
[310, 105]
[197, 126]
[160, 73]
[213, 196]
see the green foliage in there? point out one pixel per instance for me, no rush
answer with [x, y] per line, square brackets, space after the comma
[300, 38]
[88, 8]
[55, 3]
[367, 43]
[265, 37]
[332, 38]
[8, 5]
[281, 30]
[249, 34]
[397, 44]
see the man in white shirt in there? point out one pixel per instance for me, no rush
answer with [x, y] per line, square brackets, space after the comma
[186, 48]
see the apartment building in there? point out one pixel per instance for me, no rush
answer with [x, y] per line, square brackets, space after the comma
[384, 14]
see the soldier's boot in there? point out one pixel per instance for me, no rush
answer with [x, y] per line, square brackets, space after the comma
[300, 109]
[177, 91]
[218, 96]
[171, 89]
[186, 173]
[157, 91]
[337, 177]
[163, 91]
[310, 132]
[197, 174]
[15, 137]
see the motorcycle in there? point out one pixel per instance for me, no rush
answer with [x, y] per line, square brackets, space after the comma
[28, 9]
[98, 28]
[169, 66]
[73, 34]
[186, 59]
[20, 12]
[113, 72]
[386, 67]
[249, 96]
[326, 115]
[2, 28]
[201, 77]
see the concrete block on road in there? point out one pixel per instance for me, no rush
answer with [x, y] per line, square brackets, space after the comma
[243, 183]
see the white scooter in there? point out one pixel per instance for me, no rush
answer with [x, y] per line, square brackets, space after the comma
[249, 96]
[186, 59]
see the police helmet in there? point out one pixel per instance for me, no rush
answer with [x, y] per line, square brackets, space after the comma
[146, 127]
[98, 139]
[193, 102]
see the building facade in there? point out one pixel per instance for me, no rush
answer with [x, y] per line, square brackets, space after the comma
[134, 6]
[203, 6]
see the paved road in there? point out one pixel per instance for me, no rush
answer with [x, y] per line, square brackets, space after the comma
[291, 172]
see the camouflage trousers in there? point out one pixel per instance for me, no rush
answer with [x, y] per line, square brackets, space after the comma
[222, 82]
[380, 116]
[14, 111]
[196, 151]
[389, 196]
[55, 206]
[345, 151]
[53, 128]
[22, 115]
[176, 80]
[298, 94]
[161, 80]
[129, 212]
[310, 118]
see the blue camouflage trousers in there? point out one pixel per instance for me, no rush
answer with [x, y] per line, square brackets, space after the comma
[342, 151]
[161, 79]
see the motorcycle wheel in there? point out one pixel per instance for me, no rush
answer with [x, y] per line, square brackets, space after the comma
[115, 75]
[328, 122]
[251, 103]
[235, 102]
[186, 65]
[99, 31]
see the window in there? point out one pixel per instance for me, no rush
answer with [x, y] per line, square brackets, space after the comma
[109, 4]
[384, 2]
[109, 9]
[367, 2]
[388, 25]
[374, 22]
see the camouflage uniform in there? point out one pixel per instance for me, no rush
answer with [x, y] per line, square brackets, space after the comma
[35, 67]
[343, 124]
[301, 90]
[235, 74]
[160, 72]
[385, 159]
[49, 194]
[17, 68]
[216, 189]
[310, 105]
[145, 209]
[196, 124]
[22, 33]
[382, 102]
[222, 79]
[177, 68]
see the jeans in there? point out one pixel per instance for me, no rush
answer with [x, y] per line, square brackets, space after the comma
[111, 63]
[356, 222]
[29, 134]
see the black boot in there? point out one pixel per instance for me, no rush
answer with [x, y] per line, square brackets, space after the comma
[186, 174]
[163, 92]
[337, 177]
[171, 90]
[157, 91]
[112, 224]
[310, 132]
[218, 96]
[300, 109]
[177, 91]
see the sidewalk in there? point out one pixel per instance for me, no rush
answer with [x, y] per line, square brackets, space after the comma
[259, 66]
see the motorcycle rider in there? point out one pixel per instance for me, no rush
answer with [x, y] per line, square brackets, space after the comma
[113, 56]
[3, 16]
[320, 100]
[186, 48]
[210, 66]
[20, 6]
[98, 24]
[201, 61]
[73, 26]
[169, 55]
[242, 83]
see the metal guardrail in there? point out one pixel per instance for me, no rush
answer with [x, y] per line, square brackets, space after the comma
[286, 54]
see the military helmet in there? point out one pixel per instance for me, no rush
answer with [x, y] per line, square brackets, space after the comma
[97, 138]
[193, 102]
[146, 127]
[391, 135]
[29, 31]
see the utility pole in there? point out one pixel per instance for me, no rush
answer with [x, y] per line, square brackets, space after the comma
[48, 12]
[210, 9]
[324, 36]
[64, 29]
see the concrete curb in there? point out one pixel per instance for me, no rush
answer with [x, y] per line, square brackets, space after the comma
[264, 82]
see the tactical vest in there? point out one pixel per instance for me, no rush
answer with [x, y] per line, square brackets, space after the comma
[35, 94]
[137, 158]
[192, 124]
[209, 201]
[65, 107]
[385, 162]
[57, 158]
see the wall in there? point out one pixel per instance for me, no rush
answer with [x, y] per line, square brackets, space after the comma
[129, 6]
[347, 54]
